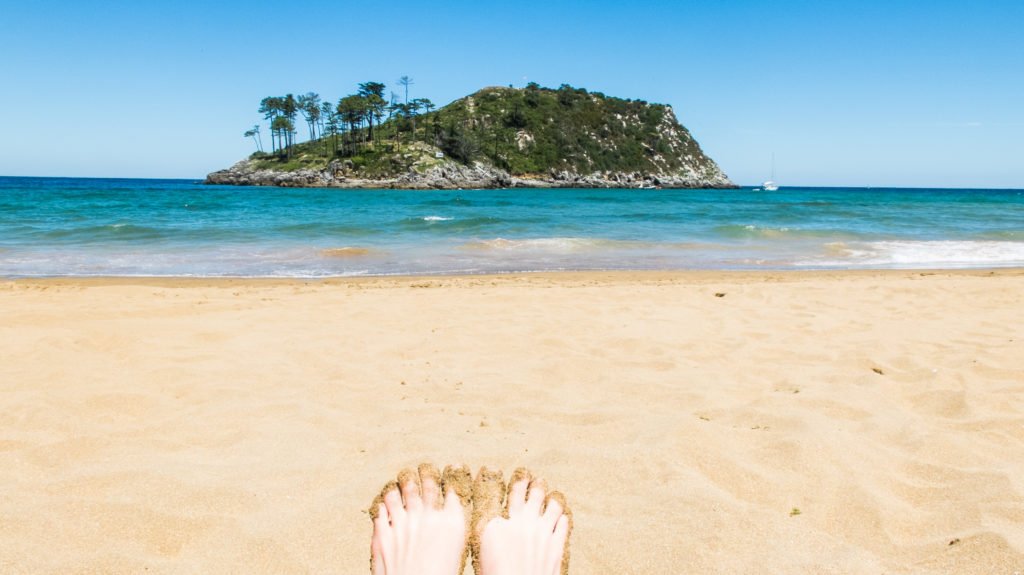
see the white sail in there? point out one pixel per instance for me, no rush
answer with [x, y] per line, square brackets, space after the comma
[770, 185]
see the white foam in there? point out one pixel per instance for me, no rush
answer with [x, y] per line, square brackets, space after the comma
[552, 245]
[940, 253]
[436, 219]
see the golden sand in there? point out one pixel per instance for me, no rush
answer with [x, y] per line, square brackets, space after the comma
[855, 422]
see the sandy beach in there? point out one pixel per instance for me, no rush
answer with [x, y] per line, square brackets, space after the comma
[705, 422]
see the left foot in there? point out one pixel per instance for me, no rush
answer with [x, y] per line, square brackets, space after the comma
[419, 523]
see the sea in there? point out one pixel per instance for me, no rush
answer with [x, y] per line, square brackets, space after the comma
[142, 227]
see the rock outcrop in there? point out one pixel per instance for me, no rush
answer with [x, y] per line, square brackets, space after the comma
[453, 175]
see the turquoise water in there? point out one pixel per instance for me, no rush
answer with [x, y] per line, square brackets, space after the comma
[80, 227]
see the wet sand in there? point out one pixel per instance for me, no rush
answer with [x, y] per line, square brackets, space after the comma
[825, 422]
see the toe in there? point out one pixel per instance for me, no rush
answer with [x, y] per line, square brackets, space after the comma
[457, 485]
[560, 544]
[553, 507]
[535, 499]
[517, 487]
[381, 521]
[381, 529]
[430, 479]
[375, 509]
[488, 492]
[393, 502]
[376, 557]
[409, 484]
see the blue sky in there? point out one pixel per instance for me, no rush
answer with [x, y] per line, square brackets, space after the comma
[843, 93]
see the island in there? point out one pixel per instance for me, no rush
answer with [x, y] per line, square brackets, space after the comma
[497, 137]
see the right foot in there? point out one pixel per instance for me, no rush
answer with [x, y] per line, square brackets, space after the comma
[419, 523]
[530, 537]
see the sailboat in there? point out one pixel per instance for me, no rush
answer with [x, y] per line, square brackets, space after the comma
[770, 185]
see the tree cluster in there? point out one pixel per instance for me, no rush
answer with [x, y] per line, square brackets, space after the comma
[344, 127]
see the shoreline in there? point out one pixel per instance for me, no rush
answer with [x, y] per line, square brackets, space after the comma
[568, 277]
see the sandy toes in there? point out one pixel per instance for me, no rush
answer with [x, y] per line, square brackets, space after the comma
[530, 537]
[420, 523]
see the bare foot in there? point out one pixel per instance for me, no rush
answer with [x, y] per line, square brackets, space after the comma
[530, 537]
[419, 523]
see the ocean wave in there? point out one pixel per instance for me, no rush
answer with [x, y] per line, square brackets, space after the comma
[754, 232]
[655, 217]
[611, 198]
[450, 202]
[346, 252]
[118, 231]
[448, 224]
[1017, 235]
[325, 229]
[557, 244]
[939, 253]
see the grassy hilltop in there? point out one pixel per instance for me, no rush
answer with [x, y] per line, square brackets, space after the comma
[525, 133]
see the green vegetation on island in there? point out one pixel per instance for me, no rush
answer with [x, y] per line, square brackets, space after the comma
[523, 133]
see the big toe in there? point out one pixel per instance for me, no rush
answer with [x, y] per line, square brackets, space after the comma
[457, 487]
[488, 492]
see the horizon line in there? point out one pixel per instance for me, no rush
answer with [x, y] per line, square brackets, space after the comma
[740, 186]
